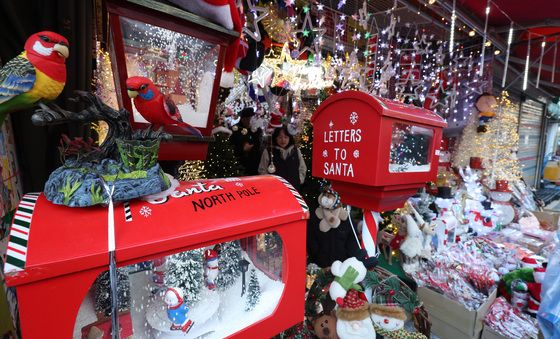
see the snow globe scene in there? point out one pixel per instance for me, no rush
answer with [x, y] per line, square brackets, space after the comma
[209, 292]
[410, 148]
[182, 67]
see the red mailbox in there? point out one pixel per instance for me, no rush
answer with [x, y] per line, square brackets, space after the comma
[55, 254]
[375, 151]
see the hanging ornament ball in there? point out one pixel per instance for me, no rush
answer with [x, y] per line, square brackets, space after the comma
[416, 310]
[391, 292]
[244, 131]
[235, 128]
[271, 168]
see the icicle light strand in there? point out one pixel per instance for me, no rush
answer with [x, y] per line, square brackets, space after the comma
[487, 12]
[540, 62]
[526, 75]
[554, 60]
[510, 39]
[452, 31]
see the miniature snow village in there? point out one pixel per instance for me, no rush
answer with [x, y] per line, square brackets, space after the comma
[278, 169]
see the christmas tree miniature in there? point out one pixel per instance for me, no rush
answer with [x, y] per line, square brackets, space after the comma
[254, 292]
[229, 258]
[103, 292]
[185, 270]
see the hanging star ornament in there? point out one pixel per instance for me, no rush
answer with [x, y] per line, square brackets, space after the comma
[258, 14]
[305, 29]
[363, 16]
[262, 76]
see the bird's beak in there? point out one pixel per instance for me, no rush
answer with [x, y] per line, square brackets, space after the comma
[62, 50]
[132, 94]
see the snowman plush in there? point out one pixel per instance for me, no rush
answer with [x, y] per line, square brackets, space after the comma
[177, 310]
[347, 275]
[353, 321]
[389, 321]
[211, 270]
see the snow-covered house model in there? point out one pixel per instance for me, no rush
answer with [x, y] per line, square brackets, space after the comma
[182, 53]
[57, 255]
[375, 151]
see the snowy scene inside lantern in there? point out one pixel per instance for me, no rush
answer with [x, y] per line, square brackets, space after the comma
[191, 264]
[375, 151]
[158, 50]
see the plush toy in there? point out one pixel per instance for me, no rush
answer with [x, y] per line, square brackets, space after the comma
[389, 322]
[486, 106]
[347, 275]
[177, 310]
[412, 245]
[330, 211]
[37, 74]
[211, 270]
[324, 326]
[353, 321]
[535, 290]
[524, 274]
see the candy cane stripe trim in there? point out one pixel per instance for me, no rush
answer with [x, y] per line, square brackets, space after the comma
[16, 253]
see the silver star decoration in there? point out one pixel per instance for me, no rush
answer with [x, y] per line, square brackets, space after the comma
[363, 16]
[320, 7]
[258, 13]
[307, 25]
[261, 76]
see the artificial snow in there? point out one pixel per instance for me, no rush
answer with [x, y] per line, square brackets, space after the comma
[406, 168]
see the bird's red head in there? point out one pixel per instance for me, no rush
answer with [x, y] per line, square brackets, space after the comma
[48, 46]
[141, 87]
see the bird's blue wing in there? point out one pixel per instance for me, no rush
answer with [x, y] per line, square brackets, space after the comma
[16, 77]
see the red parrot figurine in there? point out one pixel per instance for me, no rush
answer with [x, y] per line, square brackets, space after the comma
[37, 74]
[154, 106]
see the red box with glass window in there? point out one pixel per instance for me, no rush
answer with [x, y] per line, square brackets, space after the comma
[57, 261]
[376, 152]
[182, 53]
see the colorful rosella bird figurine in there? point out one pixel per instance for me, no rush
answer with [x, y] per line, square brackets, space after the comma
[154, 106]
[37, 74]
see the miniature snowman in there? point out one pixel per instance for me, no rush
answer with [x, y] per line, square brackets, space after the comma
[501, 196]
[177, 310]
[353, 321]
[446, 220]
[211, 270]
[389, 322]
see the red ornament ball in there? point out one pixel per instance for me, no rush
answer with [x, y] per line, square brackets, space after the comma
[392, 292]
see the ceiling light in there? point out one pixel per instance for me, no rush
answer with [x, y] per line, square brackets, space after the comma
[431, 2]
[488, 43]
[472, 33]
[497, 52]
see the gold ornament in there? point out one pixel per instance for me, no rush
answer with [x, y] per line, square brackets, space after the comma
[244, 131]
[235, 128]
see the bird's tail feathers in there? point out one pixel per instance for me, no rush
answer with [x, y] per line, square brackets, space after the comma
[192, 130]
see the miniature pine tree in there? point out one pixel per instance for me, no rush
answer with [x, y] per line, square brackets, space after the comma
[186, 270]
[228, 259]
[103, 292]
[254, 291]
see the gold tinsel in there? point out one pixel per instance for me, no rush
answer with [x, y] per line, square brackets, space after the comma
[191, 170]
[278, 29]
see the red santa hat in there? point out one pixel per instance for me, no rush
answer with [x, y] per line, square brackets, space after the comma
[538, 274]
[275, 120]
[354, 307]
[210, 255]
[529, 262]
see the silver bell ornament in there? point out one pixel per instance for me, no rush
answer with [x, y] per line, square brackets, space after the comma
[271, 168]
